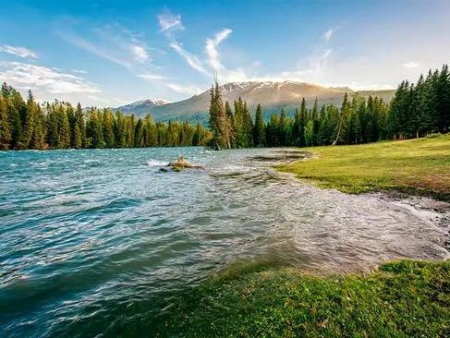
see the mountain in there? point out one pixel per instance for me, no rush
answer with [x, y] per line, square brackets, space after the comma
[271, 95]
[140, 108]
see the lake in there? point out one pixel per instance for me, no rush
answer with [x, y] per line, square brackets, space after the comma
[98, 241]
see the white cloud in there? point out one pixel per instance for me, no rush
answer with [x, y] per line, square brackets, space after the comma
[188, 90]
[79, 71]
[140, 54]
[170, 23]
[328, 34]
[96, 49]
[320, 61]
[358, 86]
[152, 77]
[211, 48]
[191, 59]
[30, 76]
[410, 65]
[22, 52]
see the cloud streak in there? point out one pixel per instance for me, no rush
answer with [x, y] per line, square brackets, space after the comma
[151, 77]
[22, 52]
[410, 65]
[170, 23]
[191, 59]
[95, 49]
[183, 89]
[212, 51]
[328, 34]
[140, 54]
[26, 76]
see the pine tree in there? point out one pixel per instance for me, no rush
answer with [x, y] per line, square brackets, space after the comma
[139, 134]
[309, 133]
[259, 131]
[150, 132]
[108, 128]
[283, 134]
[398, 116]
[29, 123]
[345, 110]
[39, 132]
[5, 125]
[64, 127]
[230, 124]
[315, 119]
[238, 124]
[217, 119]
[443, 99]
[79, 128]
[247, 127]
[272, 131]
[17, 107]
[303, 122]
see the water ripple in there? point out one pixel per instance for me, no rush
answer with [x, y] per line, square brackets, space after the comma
[95, 241]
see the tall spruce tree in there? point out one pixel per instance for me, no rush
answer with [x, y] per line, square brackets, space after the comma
[5, 125]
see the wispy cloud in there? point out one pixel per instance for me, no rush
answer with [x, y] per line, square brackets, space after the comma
[22, 52]
[320, 61]
[152, 77]
[410, 65]
[211, 48]
[96, 49]
[26, 76]
[328, 34]
[79, 71]
[170, 23]
[185, 89]
[140, 54]
[191, 59]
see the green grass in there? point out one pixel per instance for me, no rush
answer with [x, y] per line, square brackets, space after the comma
[401, 299]
[420, 166]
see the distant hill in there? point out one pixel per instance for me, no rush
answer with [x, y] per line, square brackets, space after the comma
[271, 95]
[142, 107]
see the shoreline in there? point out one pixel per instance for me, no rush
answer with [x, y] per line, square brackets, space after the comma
[406, 297]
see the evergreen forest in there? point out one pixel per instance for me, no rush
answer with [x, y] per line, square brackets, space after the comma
[417, 109]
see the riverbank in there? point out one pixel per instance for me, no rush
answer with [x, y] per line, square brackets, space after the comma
[401, 299]
[398, 299]
[417, 167]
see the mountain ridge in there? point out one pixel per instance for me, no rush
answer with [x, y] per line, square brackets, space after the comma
[272, 96]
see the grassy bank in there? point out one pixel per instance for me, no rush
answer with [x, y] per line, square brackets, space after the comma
[420, 166]
[401, 299]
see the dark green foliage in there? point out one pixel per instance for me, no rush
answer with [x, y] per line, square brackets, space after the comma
[421, 109]
[259, 133]
[29, 121]
[58, 125]
[219, 123]
[5, 124]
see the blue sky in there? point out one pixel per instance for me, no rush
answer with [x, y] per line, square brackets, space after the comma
[108, 53]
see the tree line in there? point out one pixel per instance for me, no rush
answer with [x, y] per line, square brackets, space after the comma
[59, 125]
[415, 111]
[421, 108]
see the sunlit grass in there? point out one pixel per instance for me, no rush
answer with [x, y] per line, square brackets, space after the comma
[402, 299]
[419, 166]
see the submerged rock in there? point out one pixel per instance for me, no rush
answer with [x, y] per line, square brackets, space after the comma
[180, 165]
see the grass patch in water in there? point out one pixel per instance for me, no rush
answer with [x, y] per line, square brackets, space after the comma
[420, 166]
[401, 299]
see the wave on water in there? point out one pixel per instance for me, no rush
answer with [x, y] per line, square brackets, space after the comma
[156, 163]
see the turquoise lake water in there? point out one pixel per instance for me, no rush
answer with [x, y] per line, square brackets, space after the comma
[96, 242]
